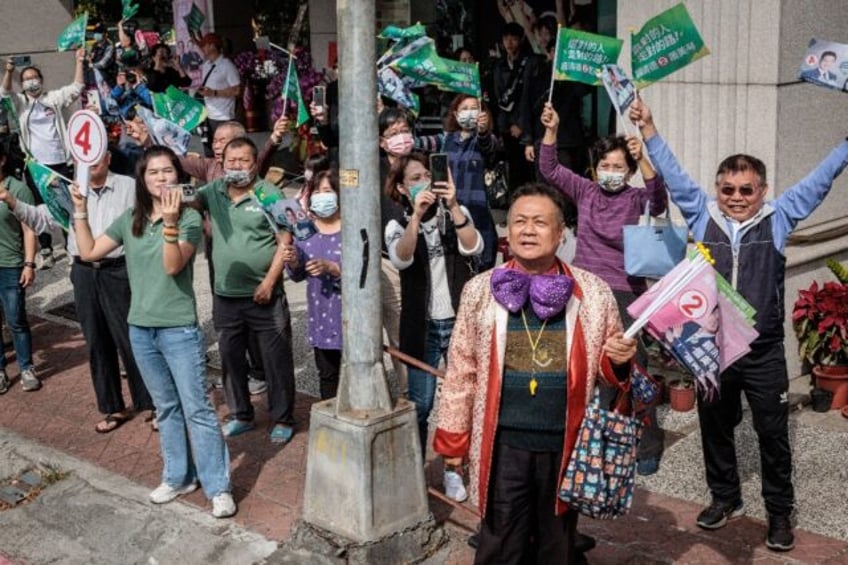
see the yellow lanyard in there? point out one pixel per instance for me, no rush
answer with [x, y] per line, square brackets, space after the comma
[543, 359]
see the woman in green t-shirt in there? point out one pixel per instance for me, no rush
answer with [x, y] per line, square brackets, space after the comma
[159, 239]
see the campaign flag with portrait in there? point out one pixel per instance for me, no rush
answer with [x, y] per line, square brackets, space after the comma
[390, 85]
[666, 43]
[73, 36]
[825, 64]
[620, 89]
[55, 190]
[580, 56]
[425, 66]
[284, 213]
[698, 318]
[164, 132]
[194, 19]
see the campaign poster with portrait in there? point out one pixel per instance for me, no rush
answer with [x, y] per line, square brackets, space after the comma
[825, 64]
[191, 59]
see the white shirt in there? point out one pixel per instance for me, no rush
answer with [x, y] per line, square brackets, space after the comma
[222, 74]
[440, 306]
[45, 142]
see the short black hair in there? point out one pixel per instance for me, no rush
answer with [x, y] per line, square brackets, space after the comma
[237, 142]
[541, 189]
[390, 116]
[513, 29]
[31, 68]
[740, 163]
[606, 145]
[828, 54]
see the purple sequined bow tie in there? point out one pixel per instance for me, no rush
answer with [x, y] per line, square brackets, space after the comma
[548, 293]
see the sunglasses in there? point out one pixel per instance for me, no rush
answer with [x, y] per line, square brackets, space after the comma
[730, 190]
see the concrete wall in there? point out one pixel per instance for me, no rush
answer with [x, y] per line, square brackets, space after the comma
[30, 28]
[744, 98]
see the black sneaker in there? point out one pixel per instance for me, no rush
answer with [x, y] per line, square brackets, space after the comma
[780, 536]
[717, 514]
[584, 543]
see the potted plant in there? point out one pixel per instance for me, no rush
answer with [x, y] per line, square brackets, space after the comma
[820, 320]
[681, 394]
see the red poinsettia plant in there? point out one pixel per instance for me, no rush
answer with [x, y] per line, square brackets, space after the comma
[820, 319]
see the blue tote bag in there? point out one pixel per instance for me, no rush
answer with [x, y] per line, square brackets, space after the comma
[654, 247]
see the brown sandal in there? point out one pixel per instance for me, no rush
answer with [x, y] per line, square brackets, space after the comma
[111, 423]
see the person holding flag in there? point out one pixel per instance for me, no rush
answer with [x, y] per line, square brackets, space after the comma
[43, 131]
[221, 85]
[746, 236]
[604, 207]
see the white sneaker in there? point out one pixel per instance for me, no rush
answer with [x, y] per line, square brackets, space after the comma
[223, 505]
[454, 487]
[166, 493]
[29, 380]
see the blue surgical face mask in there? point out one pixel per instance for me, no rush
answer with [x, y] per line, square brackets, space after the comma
[237, 177]
[98, 36]
[324, 204]
[416, 189]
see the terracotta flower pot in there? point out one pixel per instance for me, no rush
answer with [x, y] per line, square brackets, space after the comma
[835, 379]
[681, 395]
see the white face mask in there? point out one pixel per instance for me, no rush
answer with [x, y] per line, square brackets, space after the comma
[32, 85]
[611, 182]
[467, 119]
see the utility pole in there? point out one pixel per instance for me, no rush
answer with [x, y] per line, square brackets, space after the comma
[365, 476]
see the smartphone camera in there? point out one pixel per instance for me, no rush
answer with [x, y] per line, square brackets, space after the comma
[21, 60]
[319, 97]
[439, 167]
[132, 78]
[189, 192]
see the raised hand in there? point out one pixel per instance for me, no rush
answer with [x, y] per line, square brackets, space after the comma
[170, 199]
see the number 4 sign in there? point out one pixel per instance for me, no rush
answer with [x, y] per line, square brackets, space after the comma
[88, 140]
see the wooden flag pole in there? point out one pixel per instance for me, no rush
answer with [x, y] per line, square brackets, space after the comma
[554, 65]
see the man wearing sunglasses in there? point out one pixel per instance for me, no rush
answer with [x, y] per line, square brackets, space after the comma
[746, 235]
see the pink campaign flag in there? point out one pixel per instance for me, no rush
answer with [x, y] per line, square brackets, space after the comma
[699, 319]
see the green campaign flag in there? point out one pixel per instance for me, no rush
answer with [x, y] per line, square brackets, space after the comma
[128, 9]
[73, 36]
[7, 105]
[55, 191]
[291, 91]
[666, 43]
[424, 65]
[194, 19]
[178, 107]
[580, 55]
[397, 33]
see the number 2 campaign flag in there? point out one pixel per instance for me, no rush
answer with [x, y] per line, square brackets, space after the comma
[666, 43]
[699, 319]
[73, 36]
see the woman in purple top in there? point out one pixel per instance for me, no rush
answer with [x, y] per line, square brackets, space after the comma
[604, 207]
[318, 259]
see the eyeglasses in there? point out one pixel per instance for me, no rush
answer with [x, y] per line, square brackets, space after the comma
[730, 190]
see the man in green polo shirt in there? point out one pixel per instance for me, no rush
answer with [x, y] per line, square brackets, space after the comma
[17, 272]
[249, 299]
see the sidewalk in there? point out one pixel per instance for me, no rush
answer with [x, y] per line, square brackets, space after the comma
[268, 482]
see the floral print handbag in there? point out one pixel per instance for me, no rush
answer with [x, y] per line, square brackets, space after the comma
[600, 475]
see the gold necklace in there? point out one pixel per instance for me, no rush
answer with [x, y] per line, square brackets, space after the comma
[542, 358]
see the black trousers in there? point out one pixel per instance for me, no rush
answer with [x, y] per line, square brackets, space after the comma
[328, 362]
[254, 359]
[651, 442]
[520, 526]
[238, 320]
[762, 376]
[102, 299]
[520, 170]
[45, 239]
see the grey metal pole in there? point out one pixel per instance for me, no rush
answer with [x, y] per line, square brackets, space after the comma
[362, 385]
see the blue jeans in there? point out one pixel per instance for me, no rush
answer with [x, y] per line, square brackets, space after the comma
[422, 385]
[173, 367]
[14, 307]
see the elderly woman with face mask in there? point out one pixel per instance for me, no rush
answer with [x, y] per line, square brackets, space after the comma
[604, 207]
[44, 134]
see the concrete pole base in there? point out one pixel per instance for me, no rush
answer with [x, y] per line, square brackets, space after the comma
[364, 472]
[311, 544]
